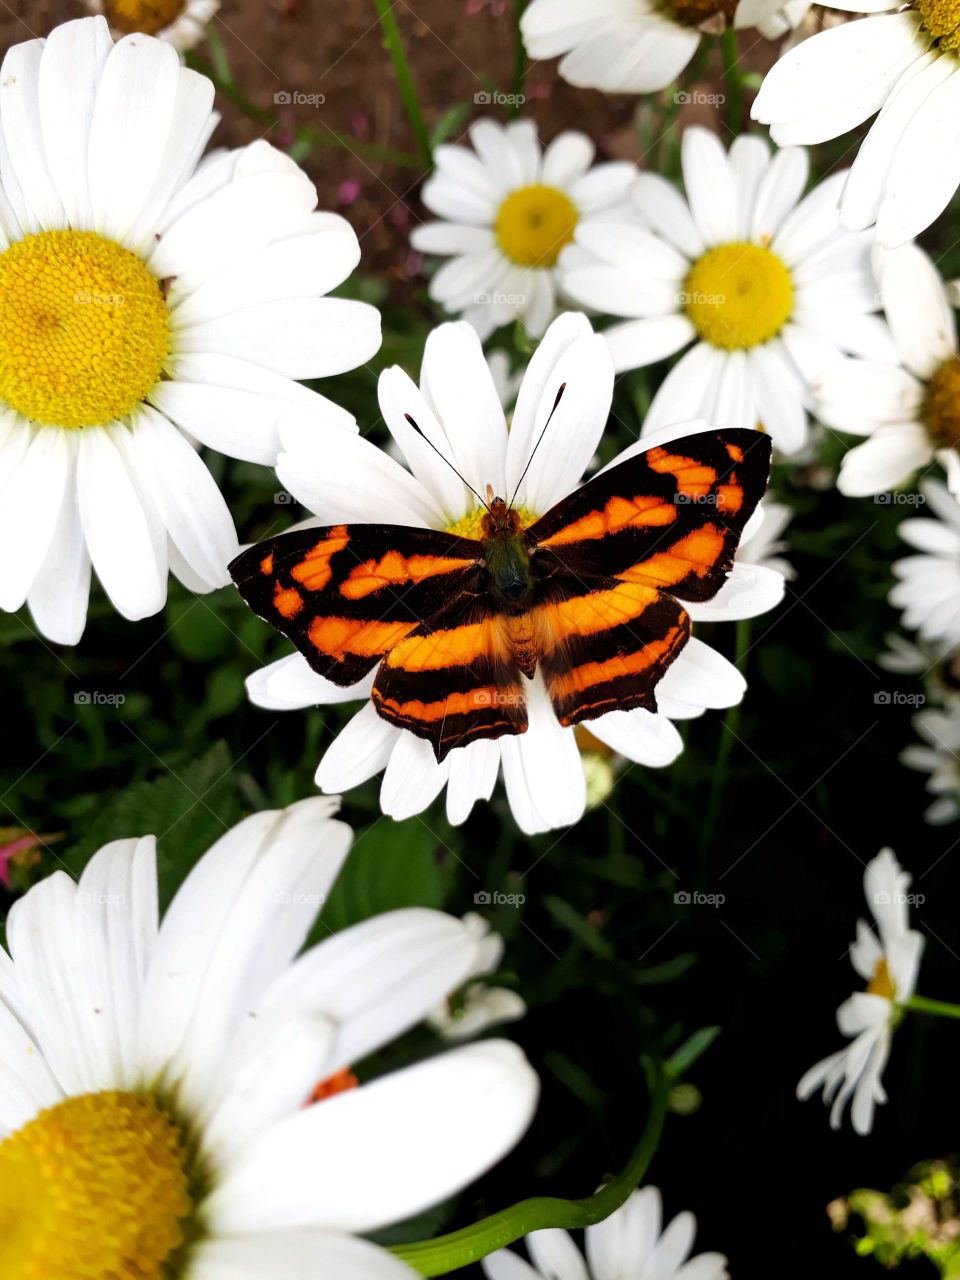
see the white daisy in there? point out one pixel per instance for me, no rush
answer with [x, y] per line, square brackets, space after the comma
[889, 965]
[346, 478]
[939, 756]
[629, 1245]
[901, 64]
[141, 293]
[761, 542]
[908, 407]
[181, 22]
[479, 1007]
[928, 584]
[640, 46]
[508, 209]
[763, 283]
[153, 1117]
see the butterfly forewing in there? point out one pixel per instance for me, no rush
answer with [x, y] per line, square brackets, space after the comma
[347, 594]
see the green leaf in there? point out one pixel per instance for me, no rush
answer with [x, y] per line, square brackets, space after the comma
[186, 809]
[683, 1059]
[391, 865]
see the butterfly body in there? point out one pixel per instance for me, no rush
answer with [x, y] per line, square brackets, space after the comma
[588, 596]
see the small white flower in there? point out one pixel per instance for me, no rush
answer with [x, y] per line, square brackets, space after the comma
[907, 406]
[928, 586]
[939, 755]
[639, 46]
[889, 966]
[762, 282]
[146, 302]
[508, 209]
[344, 478]
[629, 1245]
[156, 1076]
[481, 1007]
[901, 64]
[183, 23]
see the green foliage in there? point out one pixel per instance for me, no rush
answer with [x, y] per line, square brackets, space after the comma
[920, 1218]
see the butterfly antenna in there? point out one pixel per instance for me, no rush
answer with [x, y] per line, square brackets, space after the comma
[563, 387]
[446, 460]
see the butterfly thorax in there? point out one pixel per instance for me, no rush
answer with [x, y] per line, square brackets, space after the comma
[507, 556]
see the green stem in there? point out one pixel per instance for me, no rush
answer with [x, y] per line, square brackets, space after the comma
[732, 78]
[461, 1248]
[728, 737]
[401, 69]
[939, 1008]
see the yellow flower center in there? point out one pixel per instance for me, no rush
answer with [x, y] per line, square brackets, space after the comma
[149, 16]
[534, 223]
[942, 19]
[471, 525]
[95, 1188]
[881, 984]
[84, 329]
[941, 410]
[738, 295]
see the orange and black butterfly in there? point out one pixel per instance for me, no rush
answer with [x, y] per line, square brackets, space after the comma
[590, 593]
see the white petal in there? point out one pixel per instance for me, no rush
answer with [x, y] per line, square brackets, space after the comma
[302, 1254]
[413, 778]
[640, 735]
[918, 311]
[33, 498]
[554, 1254]
[290, 684]
[358, 752]
[384, 1152]
[542, 769]
[709, 183]
[885, 461]
[472, 777]
[637, 343]
[664, 209]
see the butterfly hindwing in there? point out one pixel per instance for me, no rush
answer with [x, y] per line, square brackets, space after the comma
[347, 594]
[607, 647]
[670, 518]
[454, 679]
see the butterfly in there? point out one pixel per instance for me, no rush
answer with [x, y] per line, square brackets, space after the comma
[590, 594]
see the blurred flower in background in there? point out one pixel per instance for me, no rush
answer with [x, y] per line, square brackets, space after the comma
[761, 281]
[181, 22]
[508, 208]
[477, 1007]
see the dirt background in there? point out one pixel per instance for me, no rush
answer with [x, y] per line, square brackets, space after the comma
[458, 50]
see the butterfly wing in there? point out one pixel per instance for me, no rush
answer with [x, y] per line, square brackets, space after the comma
[454, 679]
[670, 518]
[347, 594]
[613, 560]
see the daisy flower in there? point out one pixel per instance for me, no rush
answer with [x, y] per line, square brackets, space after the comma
[345, 478]
[639, 46]
[889, 965]
[146, 302]
[901, 61]
[939, 756]
[763, 283]
[153, 1117]
[480, 1007]
[507, 209]
[628, 1245]
[928, 584]
[762, 543]
[908, 407]
[181, 22]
